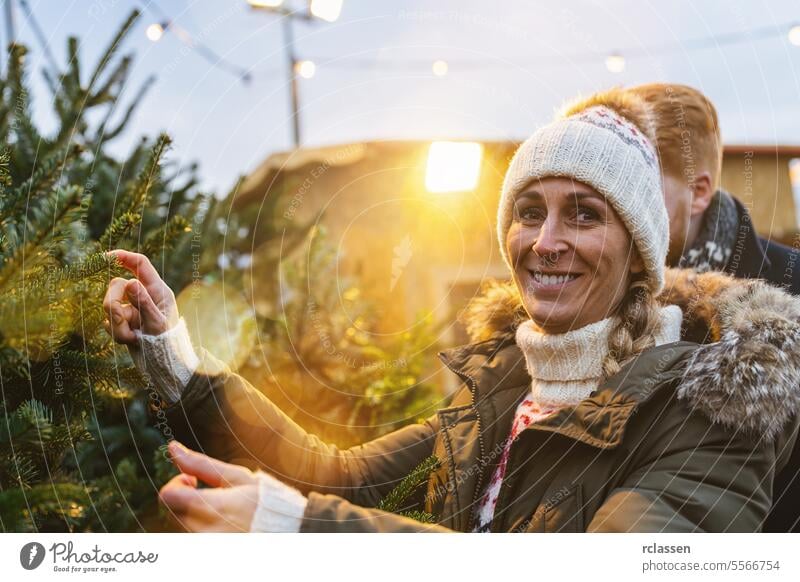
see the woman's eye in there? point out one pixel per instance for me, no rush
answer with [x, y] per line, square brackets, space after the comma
[585, 215]
[530, 214]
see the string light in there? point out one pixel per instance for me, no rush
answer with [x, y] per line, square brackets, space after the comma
[615, 63]
[305, 69]
[439, 68]
[154, 32]
[265, 3]
[794, 35]
[198, 47]
[328, 10]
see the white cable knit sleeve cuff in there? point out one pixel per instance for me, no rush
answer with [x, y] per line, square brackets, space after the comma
[168, 359]
[280, 507]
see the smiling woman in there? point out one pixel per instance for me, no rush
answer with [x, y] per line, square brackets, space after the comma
[580, 410]
[573, 257]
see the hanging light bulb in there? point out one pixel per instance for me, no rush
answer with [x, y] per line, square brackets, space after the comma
[265, 3]
[328, 10]
[154, 32]
[305, 69]
[439, 68]
[615, 63]
[794, 35]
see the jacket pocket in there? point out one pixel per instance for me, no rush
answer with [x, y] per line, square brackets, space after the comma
[562, 512]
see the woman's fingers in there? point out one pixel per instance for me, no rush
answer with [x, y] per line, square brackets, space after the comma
[208, 510]
[153, 321]
[140, 266]
[119, 312]
[144, 271]
[181, 495]
[185, 503]
[208, 470]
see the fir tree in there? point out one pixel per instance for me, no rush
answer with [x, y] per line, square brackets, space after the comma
[76, 449]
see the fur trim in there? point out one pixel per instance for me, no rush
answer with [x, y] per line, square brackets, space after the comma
[497, 308]
[745, 376]
[748, 379]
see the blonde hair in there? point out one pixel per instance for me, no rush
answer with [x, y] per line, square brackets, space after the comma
[687, 130]
[639, 319]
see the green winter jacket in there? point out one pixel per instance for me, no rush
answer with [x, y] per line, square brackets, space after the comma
[686, 437]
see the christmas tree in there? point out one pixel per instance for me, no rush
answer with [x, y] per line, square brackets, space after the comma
[80, 449]
[76, 449]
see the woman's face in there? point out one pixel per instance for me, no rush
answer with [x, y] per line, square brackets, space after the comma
[572, 255]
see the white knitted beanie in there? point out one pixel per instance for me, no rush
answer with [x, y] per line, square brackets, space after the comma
[604, 150]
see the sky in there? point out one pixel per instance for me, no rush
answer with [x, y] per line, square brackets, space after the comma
[510, 65]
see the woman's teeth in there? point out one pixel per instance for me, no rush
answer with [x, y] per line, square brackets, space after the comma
[552, 279]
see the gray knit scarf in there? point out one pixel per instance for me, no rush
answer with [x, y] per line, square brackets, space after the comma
[713, 247]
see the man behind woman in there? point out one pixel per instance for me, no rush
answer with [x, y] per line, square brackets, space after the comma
[710, 230]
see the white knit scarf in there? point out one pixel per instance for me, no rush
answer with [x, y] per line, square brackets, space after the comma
[566, 368]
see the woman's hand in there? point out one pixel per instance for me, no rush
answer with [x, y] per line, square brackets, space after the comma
[229, 507]
[145, 303]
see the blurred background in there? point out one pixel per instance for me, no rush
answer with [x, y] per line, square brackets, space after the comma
[365, 87]
[317, 181]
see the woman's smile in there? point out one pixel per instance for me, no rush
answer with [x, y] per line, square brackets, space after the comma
[551, 281]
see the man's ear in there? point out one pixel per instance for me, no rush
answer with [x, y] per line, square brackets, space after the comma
[702, 193]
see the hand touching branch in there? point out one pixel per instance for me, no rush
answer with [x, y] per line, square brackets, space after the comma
[240, 500]
[145, 303]
[143, 315]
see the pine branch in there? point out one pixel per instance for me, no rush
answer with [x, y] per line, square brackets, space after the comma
[73, 62]
[25, 509]
[98, 369]
[30, 423]
[165, 238]
[105, 134]
[28, 138]
[136, 194]
[394, 500]
[95, 265]
[119, 229]
[421, 516]
[42, 180]
[117, 77]
[112, 49]
[44, 223]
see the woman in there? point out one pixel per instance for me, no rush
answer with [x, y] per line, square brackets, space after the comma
[581, 409]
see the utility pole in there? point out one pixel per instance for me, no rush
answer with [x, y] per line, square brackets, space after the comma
[315, 10]
[288, 42]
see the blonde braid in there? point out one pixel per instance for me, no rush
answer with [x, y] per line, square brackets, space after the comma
[635, 332]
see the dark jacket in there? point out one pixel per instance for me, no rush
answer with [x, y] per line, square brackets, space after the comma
[687, 437]
[757, 257]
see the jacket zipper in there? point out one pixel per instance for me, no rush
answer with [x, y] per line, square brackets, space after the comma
[473, 386]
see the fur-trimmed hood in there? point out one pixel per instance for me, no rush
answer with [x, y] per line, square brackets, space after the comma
[746, 373]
